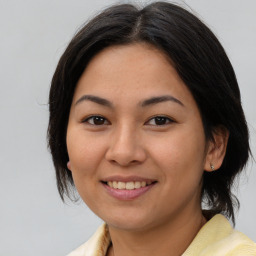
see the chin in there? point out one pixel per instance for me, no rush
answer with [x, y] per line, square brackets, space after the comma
[128, 226]
[129, 222]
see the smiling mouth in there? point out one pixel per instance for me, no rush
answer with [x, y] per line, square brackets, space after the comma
[130, 185]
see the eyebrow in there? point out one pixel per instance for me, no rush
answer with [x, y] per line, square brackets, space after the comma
[147, 102]
[159, 99]
[95, 99]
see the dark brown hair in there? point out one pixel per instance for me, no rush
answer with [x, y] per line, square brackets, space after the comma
[199, 59]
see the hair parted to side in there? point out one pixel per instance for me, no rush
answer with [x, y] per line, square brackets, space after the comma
[200, 61]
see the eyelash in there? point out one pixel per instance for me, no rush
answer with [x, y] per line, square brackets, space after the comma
[160, 118]
[106, 122]
[94, 118]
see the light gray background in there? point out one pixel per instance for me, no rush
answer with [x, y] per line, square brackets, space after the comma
[33, 220]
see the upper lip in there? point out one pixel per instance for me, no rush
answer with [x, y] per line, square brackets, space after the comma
[127, 178]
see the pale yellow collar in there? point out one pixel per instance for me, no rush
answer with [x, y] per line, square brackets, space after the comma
[216, 238]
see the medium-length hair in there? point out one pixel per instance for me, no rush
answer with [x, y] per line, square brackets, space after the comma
[198, 58]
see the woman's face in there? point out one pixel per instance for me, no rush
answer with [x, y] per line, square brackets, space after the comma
[135, 139]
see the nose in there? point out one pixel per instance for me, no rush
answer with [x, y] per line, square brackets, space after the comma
[126, 148]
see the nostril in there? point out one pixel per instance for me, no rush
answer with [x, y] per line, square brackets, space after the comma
[125, 154]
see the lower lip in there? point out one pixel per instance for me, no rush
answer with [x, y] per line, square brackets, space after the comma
[125, 194]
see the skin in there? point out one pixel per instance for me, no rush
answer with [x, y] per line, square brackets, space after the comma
[127, 140]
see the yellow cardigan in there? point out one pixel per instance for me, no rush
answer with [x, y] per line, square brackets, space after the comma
[216, 238]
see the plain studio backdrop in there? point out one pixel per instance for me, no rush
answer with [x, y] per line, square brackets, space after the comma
[33, 220]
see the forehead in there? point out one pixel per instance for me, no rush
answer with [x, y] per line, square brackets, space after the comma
[127, 53]
[129, 72]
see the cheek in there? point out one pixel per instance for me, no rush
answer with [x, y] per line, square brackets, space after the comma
[181, 156]
[182, 169]
[85, 155]
[85, 152]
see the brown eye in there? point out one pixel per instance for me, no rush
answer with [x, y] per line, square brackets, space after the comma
[160, 120]
[96, 120]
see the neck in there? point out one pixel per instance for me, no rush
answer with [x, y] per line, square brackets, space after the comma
[173, 236]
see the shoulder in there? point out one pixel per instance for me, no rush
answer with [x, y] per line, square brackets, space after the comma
[97, 245]
[217, 237]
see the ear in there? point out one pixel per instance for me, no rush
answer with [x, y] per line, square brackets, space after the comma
[69, 165]
[216, 149]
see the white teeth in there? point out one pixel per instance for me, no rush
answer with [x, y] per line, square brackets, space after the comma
[121, 185]
[130, 185]
[137, 184]
[115, 184]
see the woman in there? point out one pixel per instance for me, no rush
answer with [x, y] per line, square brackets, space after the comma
[146, 122]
